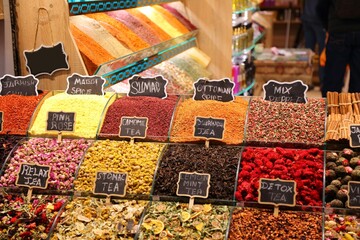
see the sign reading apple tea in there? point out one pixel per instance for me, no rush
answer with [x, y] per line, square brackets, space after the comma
[1, 121]
[277, 192]
[110, 183]
[25, 86]
[354, 194]
[60, 121]
[150, 87]
[33, 176]
[354, 135]
[133, 127]
[295, 91]
[80, 85]
[209, 128]
[219, 90]
[193, 184]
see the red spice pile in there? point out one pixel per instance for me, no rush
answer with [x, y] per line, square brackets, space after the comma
[303, 166]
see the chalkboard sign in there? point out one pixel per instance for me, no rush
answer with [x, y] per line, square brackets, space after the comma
[110, 183]
[60, 121]
[354, 194]
[193, 184]
[219, 90]
[80, 85]
[209, 128]
[133, 127]
[1, 121]
[150, 87]
[277, 192]
[25, 86]
[354, 135]
[285, 91]
[33, 176]
[46, 60]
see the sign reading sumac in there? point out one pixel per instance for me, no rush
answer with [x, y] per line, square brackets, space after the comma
[277, 192]
[219, 90]
[150, 87]
[133, 127]
[110, 183]
[354, 135]
[33, 176]
[193, 184]
[209, 128]
[25, 86]
[60, 121]
[295, 91]
[79, 85]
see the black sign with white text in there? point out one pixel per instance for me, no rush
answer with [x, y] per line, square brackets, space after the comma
[193, 184]
[150, 87]
[133, 127]
[285, 91]
[219, 90]
[60, 121]
[209, 128]
[354, 194]
[25, 86]
[33, 176]
[110, 183]
[277, 192]
[80, 85]
[354, 135]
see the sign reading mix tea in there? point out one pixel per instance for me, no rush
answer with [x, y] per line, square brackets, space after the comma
[133, 127]
[193, 184]
[79, 85]
[295, 91]
[110, 183]
[354, 135]
[33, 176]
[219, 90]
[277, 192]
[209, 128]
[150, 87]
[60, 121]
[25, 86]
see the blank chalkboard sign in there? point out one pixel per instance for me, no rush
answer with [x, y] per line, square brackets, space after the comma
[355, 135]
[295, 91]
[60, 121]
[219, 90]
[133, 127]
[80, 85]
[1, 121]
[209, 128]
[277, 192]
[193, 184]
[150, 87]
[25, 86]
[110, 183]
[354, 194]
[33, 176]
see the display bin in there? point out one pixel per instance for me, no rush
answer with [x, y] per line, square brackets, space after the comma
[341, 223]
[296, 65]
[7, 145]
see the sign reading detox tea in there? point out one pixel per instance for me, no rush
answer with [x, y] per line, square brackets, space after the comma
[133, 127]
[209, 128]
[354, 194]
[33, 176]
[111, 183]
[25, 86]
[277, 192]
[150, 87]
[295, 91]
[355, 135]
[193, 184]
[219, 90]
[60, 121]
[80, 85]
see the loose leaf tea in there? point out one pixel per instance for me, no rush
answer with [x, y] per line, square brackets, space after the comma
[7, 143]
[341, 226]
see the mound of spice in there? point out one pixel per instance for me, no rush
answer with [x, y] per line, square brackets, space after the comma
[87, 119]
[188, 109]
[341, 227]
[305, 167]
[92, 218]
[262, 224]
[139, 160]
[7, 143]
[22, 220]
[17, 112]
[63, 158]
[220, 162]
[279, 122]
[172, 220]
[158, 111]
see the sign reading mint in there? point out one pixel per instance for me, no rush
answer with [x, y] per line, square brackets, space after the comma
[25, 86]
[78, 85]
[150, 87]
[133, 127]
[219, 90]
[354, 135]
[110, 183]
[285, 91]
[209, 128]
[277, 192]
[193, 184]
[33, 176]
[60, 121]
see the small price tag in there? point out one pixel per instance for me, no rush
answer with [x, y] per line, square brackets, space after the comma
[193, 184]
[354, 135]
[110, 184]
[1, 121]
[354, 194]
[25, 86]
[80, 85]
[209, 128]
[133, 127]
[277, 192]
[150, 87]
[295, 91]
[60, 121]
[219, 90]
[33, 176]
